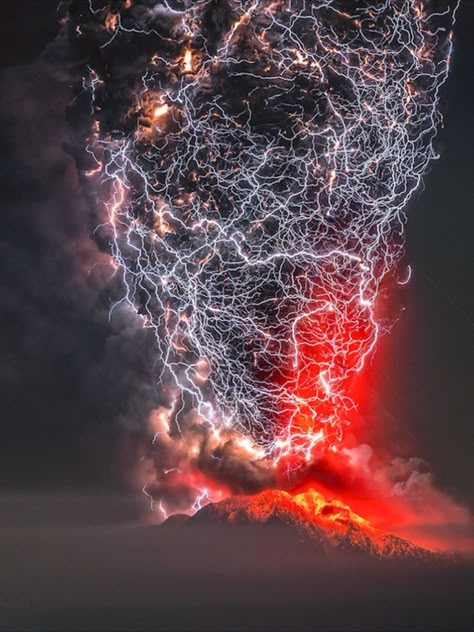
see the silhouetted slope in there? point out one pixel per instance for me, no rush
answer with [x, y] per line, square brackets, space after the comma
[327, 525]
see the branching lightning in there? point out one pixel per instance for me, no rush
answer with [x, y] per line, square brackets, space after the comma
[257, 171]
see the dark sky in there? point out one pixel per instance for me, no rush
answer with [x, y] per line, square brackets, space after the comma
[75, 388]
[429, 377]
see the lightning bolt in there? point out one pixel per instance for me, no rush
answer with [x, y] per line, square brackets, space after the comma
[255, 173]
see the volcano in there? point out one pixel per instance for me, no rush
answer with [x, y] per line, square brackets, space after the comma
[327, 526]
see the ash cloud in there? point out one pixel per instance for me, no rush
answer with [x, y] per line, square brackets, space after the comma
[60, 288]
[82, 366]
[254, 216]
[76, 378]
[189, 459]
[186, 461]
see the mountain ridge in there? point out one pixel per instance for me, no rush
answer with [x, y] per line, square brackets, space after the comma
[327, 525]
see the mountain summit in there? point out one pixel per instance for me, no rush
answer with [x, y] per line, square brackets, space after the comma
[328, 525]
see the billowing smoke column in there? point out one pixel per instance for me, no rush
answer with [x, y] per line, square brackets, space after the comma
[255, 158]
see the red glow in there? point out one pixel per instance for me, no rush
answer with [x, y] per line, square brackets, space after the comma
[325, 379]
[411, 507]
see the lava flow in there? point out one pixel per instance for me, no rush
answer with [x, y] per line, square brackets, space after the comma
[253, 159]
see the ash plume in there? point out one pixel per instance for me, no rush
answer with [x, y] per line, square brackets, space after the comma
[250, 162]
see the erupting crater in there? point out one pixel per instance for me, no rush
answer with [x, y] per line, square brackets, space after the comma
[329, 525]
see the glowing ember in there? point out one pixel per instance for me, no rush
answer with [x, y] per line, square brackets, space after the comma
[161, 111]
[188, 61]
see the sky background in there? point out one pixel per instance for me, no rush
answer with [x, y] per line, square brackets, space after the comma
[75, 387]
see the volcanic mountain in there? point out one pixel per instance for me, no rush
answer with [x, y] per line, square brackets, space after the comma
[326, 525]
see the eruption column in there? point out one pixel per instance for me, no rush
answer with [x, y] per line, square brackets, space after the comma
[256, 158]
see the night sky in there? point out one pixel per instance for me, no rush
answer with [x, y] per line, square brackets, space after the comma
[75, 386]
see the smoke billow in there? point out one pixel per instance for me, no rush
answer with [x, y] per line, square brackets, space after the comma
[248, 165]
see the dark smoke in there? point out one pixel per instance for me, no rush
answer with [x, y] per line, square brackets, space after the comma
[80, 375]
[186, 456]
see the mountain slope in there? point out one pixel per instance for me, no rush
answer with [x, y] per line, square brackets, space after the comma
[327, 525]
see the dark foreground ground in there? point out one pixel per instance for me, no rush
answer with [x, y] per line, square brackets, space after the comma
[69, 570]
